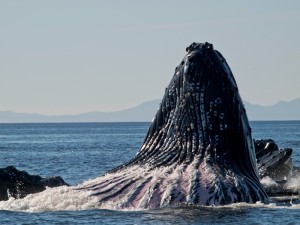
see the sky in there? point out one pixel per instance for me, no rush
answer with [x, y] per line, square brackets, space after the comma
[68, 56]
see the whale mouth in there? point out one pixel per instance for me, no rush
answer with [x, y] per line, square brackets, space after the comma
[273, 162]
[199, 147]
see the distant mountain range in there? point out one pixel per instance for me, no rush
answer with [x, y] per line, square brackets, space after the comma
[280, 111]
[146, 111]
[142, 113]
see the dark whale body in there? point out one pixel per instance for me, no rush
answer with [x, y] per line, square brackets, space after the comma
[273, 162]
[198, 149]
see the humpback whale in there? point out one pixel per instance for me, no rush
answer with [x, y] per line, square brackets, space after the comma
[273, 162]
[199, 148]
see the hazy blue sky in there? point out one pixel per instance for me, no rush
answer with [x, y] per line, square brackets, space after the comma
[72, 56]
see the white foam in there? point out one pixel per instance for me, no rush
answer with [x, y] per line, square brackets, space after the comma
[294, 183]
[52, 199]
[268, 182]
[291, 184]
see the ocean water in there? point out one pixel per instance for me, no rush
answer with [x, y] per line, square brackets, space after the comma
[81, 151]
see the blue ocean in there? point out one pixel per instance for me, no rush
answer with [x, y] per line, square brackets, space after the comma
[81, 151]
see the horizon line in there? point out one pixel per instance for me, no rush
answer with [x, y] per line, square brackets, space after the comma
[130, 107]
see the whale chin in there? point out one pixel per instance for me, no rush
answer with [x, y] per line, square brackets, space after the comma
[198, 149]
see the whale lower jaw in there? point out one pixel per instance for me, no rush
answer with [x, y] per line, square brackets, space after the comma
[139, 187]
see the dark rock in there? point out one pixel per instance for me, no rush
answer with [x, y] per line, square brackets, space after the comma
[18, 184]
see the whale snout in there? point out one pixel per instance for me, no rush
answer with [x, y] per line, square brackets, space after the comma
[202, 64]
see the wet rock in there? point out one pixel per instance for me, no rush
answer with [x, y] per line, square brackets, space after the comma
[18, 184]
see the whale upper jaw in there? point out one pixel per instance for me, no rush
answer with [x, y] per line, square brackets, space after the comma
[199, 147]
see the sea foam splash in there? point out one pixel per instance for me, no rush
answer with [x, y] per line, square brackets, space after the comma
[294, 183]
[291, 184]
[69, 199]
[52, 199]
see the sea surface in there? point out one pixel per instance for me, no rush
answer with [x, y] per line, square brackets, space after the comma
[81, 151]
